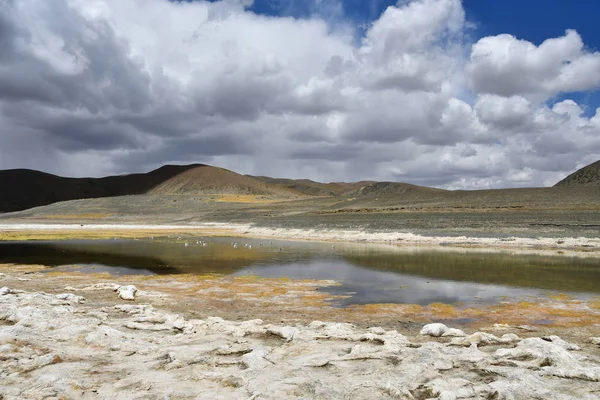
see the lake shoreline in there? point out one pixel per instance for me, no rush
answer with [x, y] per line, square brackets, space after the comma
[571, 246]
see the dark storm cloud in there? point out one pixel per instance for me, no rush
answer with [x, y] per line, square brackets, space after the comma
[332, 152]
[178, 150]
[92, 70]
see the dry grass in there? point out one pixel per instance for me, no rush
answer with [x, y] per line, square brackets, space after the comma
[78, 217]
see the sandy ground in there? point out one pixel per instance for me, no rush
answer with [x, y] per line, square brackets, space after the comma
[542, 245]
[76, 336]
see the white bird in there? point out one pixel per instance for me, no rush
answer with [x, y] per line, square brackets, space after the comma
[186, 244]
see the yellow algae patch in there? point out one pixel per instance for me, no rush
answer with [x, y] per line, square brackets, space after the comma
[561, 297]
[96, 233]
[246, 199]
[595, 303]
[248, 297]
[443, 310]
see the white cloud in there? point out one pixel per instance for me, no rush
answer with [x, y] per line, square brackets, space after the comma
[503, 112]
[89, 87]
[506, 66]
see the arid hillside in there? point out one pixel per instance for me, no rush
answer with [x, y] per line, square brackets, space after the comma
[212, 180]
[586, 176]
[312, 188]
[21, 189]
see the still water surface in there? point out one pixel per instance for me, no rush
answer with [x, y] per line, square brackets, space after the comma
[371, 274]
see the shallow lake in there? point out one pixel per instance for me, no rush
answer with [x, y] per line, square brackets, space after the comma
[369, 273]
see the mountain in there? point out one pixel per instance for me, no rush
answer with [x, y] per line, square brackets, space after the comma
[586, 176]
[312, 188]
[213, 180]
[393, 188]
[21, 189]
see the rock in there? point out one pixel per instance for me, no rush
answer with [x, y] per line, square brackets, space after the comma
[70, 297]
[435, 330]
[509, 338]
[377, 330]
[443, 365]
[587, 374]
[127, 292]
[477, 338]
[595, 340]
[147, 327]
[97, 286]
[453, 332]
[537, 352]
[285, 332]
[134, 309]
[562, 343]
[527, 328]
[4, 291]
[256, 358]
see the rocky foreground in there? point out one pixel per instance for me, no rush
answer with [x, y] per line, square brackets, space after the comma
[60, 346]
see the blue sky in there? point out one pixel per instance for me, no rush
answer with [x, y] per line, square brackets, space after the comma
[533, 20]
[537, 20]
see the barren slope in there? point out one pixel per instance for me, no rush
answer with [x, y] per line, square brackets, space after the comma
[586, 176]
[312, 188]
[213, 180]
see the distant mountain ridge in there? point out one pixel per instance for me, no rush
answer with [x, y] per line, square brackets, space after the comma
[586, 176]
[21, 189]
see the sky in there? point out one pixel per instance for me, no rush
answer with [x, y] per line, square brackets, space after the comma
[454, 94]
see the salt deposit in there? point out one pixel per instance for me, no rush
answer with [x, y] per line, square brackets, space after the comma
[62, 345]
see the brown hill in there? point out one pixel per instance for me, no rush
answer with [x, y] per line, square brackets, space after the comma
[586, 176]
[393, 188]
[213, 180]
[312, 188]
[21, 189]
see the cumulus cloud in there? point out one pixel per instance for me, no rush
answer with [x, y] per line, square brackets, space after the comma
[507, 66]
[91, 87]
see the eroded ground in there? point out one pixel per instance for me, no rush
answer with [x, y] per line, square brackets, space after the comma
[211, 337]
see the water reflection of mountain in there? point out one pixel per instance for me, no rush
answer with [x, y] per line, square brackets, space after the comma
[157, 257]
[568, 274]
[544, 272]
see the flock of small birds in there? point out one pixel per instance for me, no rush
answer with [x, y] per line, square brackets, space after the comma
[202, 243]
[235, 245]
